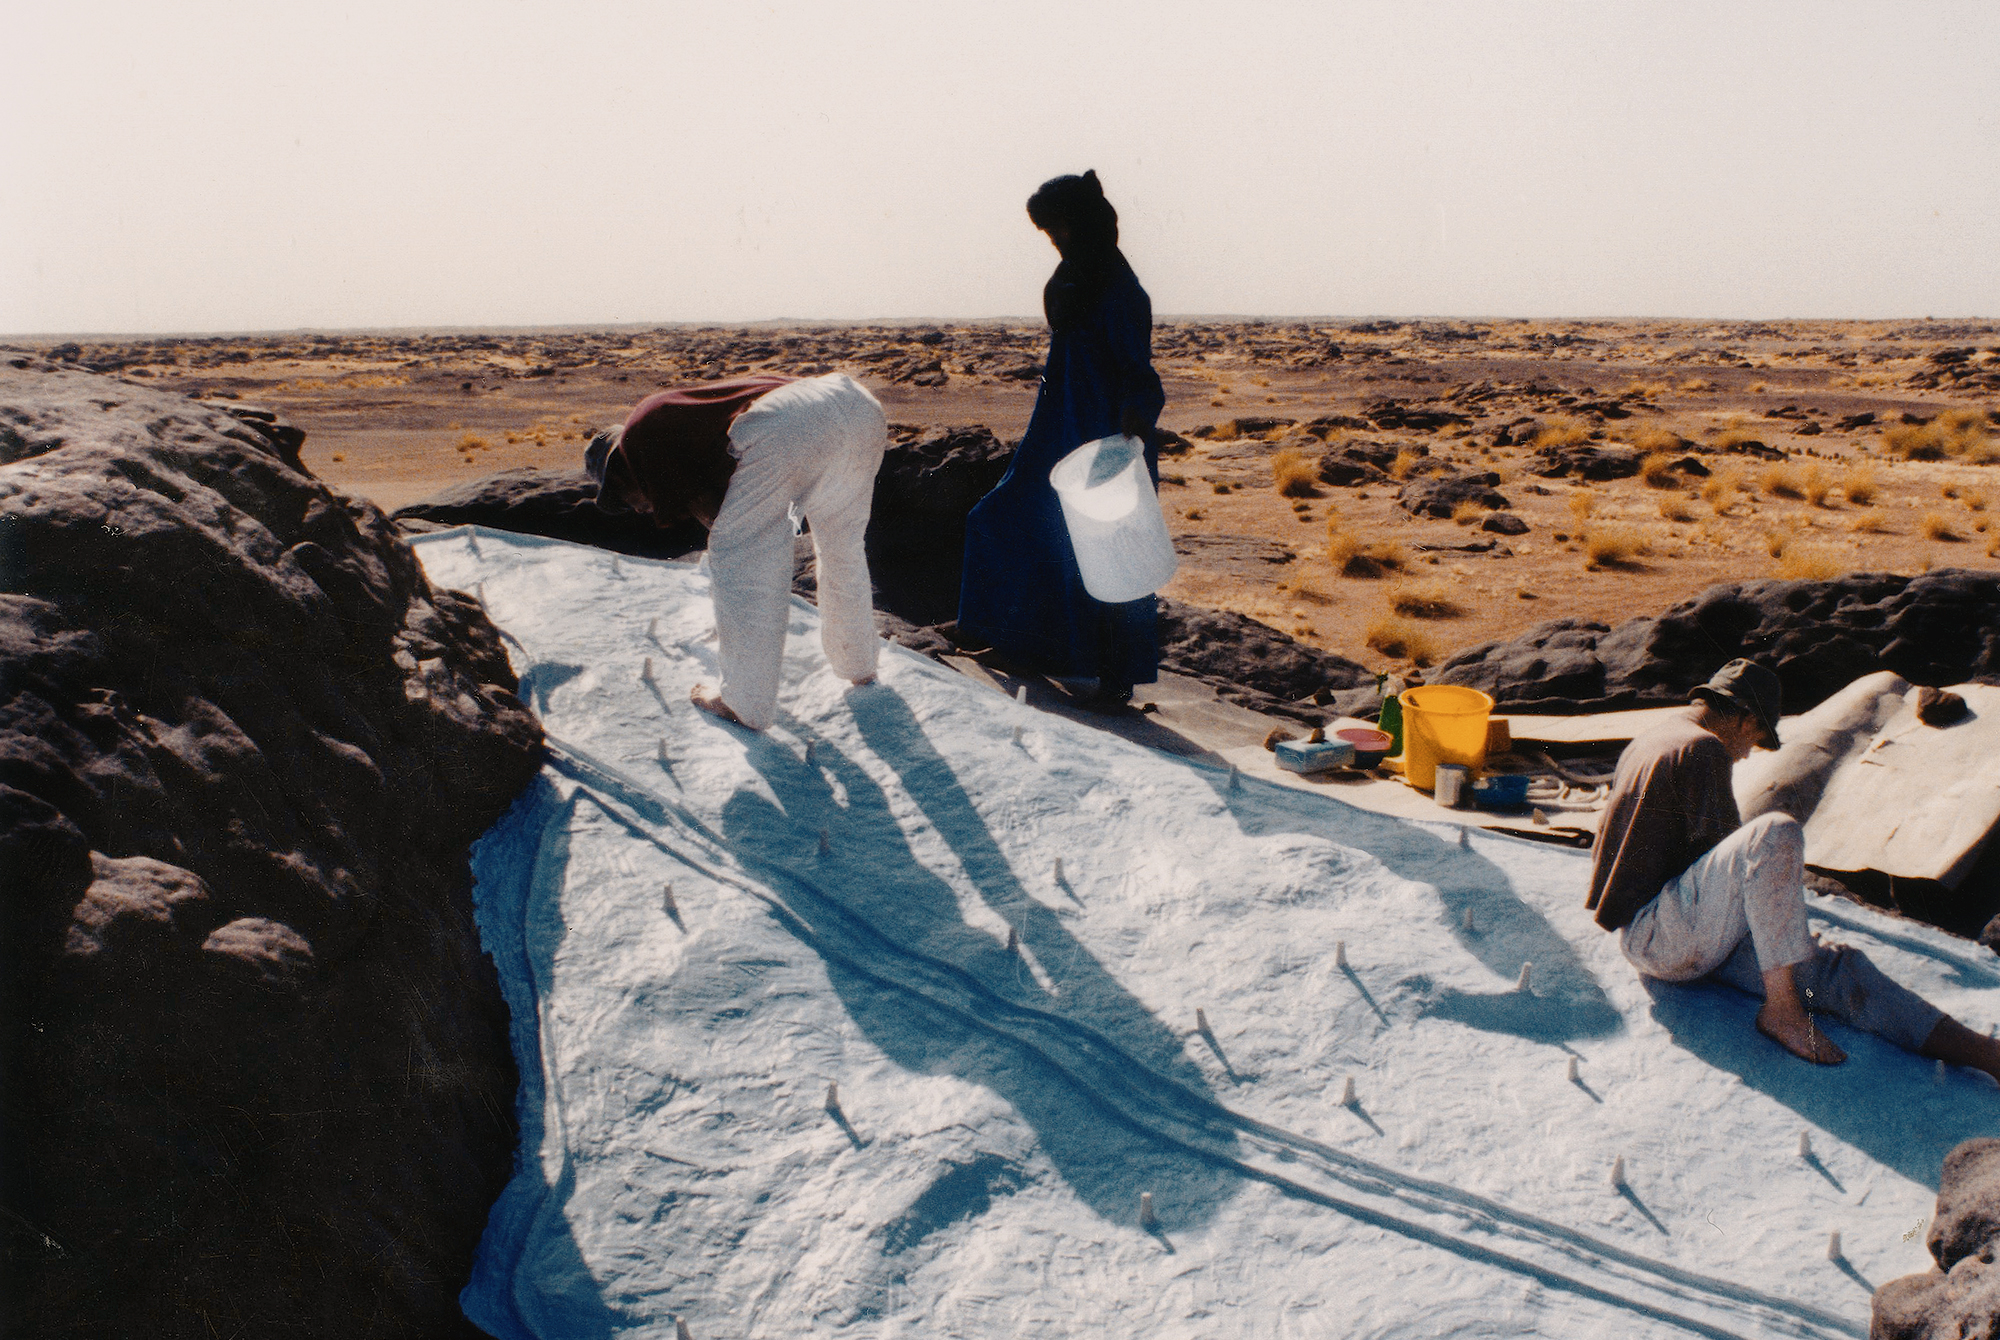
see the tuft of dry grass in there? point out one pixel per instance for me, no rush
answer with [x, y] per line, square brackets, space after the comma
[1611, 546]
[1809, 563]
[1974, 500]
[1402, 639]
[1657, 469]
[1816, 484]
[1225, 431]
[1657, 439]
[1720, 488]
[1467, 512]
[1354, 555]
[1958, 433]
[1860, 484]
[1757, 388]
[1296, 474]
[1936, 526]
[1423, 600]
[1676, 509]
[472, 442]
[1647, 389]
[1561, 431]
[1405, 462]
[1696, 385]
[1780, 480]
[1582, 503]
[1870, 522]
[1219, 487]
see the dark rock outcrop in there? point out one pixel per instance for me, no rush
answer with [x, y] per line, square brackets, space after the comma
[559, 504]
[1254, 665]
[1961, 1297]
[256, 1069]
[1442, 496]
[1592, 463]
[1938, 628]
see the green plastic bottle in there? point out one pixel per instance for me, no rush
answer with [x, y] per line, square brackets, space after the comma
[1390, 719]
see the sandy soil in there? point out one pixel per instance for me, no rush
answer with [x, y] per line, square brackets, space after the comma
[396, 416]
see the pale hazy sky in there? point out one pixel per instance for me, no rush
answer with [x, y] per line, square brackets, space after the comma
[189, 167]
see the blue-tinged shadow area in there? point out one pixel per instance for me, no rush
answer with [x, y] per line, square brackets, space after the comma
[874, 901]
[1911, 1135]
[530, 1279]
[1565, 1004]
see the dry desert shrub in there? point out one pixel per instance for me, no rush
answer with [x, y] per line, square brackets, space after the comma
[1296, 474]
[1676, 509]
[1657, 469]
[1355, 556]
[1423, 600]
[1402, 639]
[1860, 484]
[1780, 480]
[1757, 388]
[1647, 389]
[1809, 563]
[1467, 512]
[1870, 522]
[1720, 488]
[1561, 432]
[473, 442]
[1696, 385]
[1816, 484]
[1582, 503]
[1219, 487]
[1936, 526]
[1974, 500]
[1954, 433]
[1224, 431]
[1405, 462]
[1611, 546]
[1655, 439]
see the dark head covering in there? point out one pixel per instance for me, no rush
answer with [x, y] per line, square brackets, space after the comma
[1745, 686]
[596, 460]
[1090, 253]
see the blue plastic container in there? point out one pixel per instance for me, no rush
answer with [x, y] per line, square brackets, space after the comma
[1501, 791]
[1304, 756]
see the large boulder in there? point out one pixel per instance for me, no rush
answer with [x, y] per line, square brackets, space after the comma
[1961, 1298]
[561, 504]
[1256, 666]
[254, 1067]
[1442, 496]
[1937, 628]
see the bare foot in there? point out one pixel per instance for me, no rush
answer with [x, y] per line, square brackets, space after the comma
[1797, 1034]
[709, 701]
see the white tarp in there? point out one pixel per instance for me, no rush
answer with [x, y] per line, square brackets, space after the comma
[1000, 1114]
[1876, 788]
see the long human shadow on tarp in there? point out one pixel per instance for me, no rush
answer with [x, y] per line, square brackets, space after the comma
[871, 873]
[1564, 1002]
[530, 1278]
[1882, 1100]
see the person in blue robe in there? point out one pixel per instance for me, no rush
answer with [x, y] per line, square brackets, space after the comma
[1021, 591]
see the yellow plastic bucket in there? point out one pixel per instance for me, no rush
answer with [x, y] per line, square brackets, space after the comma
[1443, 723]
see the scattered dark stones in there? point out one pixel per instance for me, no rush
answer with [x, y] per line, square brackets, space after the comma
[258, 1074]
[1936, 628]
[1504, 523]
[1397, 414]
[1441, 496]
[1961, 1297]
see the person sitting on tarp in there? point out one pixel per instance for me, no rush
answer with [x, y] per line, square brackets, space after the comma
[1022, 593]
[743, 457]
[1693, 891]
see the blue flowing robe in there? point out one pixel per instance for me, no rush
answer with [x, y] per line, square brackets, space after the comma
[1021, 590]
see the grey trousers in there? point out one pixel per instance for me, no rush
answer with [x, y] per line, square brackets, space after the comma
[1739, 911]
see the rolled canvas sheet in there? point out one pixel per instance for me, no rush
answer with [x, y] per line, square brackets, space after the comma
[1877, 789]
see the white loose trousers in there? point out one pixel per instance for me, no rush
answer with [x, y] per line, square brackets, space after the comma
[815, 445]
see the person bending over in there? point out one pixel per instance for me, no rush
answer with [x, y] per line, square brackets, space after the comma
[741, 457]
[1693, 891]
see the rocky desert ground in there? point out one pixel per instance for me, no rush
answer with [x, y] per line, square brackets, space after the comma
[1392, 491]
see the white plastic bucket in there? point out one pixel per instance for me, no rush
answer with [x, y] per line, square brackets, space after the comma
[1114, 520]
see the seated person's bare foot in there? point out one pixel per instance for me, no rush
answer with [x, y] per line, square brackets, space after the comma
[710, 701]
[1795, 1031]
